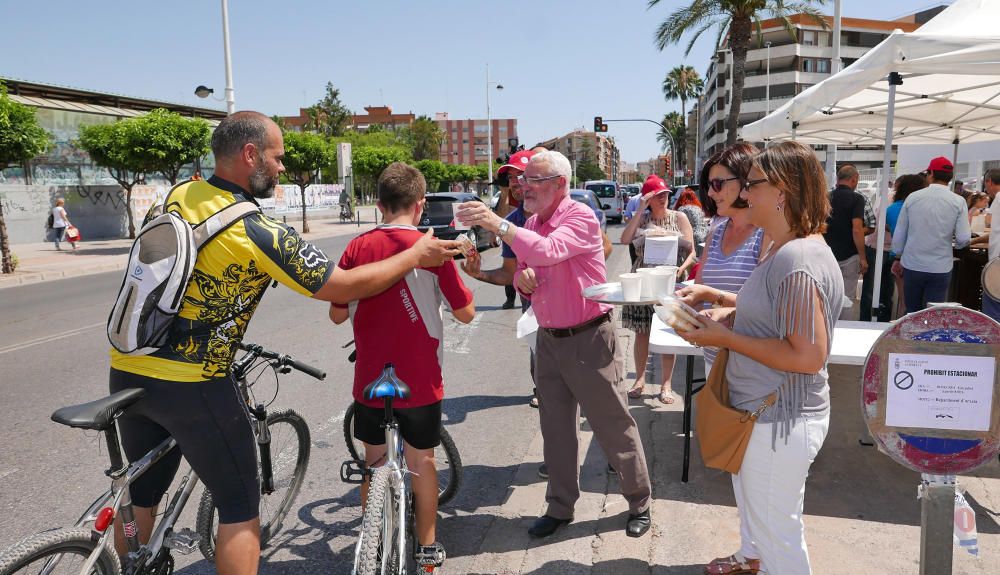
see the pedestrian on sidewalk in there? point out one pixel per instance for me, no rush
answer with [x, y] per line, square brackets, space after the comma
[560, 252]
[846, 230]
[779, 342]
[929, 222]
[656, 221]
[60, 221]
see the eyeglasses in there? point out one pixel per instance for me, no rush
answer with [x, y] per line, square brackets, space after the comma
[717, 183]
[752, 183]
[525, 180]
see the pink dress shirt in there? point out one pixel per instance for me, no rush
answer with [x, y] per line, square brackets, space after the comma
[567, 253]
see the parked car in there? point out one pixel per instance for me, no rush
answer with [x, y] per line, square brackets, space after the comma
[439, 216]
[610, 196]
[589, 199]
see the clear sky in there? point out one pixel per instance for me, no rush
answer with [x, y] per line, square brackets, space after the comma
[561, 62]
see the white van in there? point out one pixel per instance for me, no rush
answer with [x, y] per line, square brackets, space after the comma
[610, 196]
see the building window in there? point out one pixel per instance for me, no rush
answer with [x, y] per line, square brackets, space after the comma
[481, 128]
[809, 38]
[816, 65]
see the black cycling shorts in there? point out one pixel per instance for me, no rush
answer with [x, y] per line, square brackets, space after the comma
[419, 426]
[213, 432]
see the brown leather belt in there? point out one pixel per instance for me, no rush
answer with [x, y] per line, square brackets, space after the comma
[576, 329]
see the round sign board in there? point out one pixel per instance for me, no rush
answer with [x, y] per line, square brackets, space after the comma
[931, 390]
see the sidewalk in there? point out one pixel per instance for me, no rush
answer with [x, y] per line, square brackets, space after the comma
[40, 262]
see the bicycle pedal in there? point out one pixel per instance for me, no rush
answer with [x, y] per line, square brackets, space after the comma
[184, 541]
[353, 472]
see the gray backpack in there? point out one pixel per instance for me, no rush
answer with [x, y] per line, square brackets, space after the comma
[160, 265]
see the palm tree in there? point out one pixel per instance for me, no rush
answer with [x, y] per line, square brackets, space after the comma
[674, 123]
[681, 83]
[735, 20]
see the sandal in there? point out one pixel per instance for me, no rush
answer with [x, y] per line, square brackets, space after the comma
[636, 391]
[733, 565]
[667, 396]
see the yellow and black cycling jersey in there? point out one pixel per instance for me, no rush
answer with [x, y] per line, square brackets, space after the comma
[232, 272]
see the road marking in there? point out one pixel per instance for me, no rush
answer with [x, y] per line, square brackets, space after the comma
[458, 334]
[49, 338]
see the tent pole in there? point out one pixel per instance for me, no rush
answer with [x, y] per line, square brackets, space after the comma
[835, 66]
[954, 160]
[883, 195]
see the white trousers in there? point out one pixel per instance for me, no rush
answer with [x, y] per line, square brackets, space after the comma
[770, 490]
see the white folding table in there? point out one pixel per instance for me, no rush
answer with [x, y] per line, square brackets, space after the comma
[852, 340]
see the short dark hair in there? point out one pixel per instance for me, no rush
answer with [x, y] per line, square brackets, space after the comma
[737, 159]
[940, 176]
[400, 187]
[238, 130]
[906, 185]
[993, 176]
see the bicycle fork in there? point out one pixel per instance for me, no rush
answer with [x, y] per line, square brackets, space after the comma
[264, 446]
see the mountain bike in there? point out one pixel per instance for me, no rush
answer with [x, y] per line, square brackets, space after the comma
[87, 547]
[388, 520]
[447, 461]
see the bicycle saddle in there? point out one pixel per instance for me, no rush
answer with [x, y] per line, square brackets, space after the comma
[99, 414]
[387, 385]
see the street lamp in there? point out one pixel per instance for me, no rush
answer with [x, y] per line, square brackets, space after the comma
[767, 86]
[489, 120]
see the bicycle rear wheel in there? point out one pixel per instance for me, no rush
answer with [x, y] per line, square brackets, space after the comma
[378, 551]
[290, 444]
[57, 552]
[446, 458]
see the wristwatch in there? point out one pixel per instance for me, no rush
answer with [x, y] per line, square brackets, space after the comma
[504, 228]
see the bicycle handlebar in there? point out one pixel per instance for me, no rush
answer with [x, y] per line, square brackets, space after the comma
[282, 360]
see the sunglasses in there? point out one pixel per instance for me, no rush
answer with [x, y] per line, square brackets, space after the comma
[752, 183]
[717, 183]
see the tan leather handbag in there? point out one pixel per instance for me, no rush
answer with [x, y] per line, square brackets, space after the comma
[723, 431]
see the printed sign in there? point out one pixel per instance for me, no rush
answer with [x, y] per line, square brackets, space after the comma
[660, 250]
[940, 391]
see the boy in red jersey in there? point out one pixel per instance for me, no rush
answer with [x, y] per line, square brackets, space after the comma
[403, 326]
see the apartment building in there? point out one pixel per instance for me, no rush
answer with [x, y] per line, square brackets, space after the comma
[581, 144]
[465, 141]
[779, 66]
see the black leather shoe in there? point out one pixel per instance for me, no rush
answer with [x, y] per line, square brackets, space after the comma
[509, 304]
[546, 525]
[638, 525]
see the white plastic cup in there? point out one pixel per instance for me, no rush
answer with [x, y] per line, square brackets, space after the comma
[631, 286]
[663, 281]
[454, 211]
[647, 281]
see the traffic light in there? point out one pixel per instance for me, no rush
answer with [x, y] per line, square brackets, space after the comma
[666, 165]
[599, 125]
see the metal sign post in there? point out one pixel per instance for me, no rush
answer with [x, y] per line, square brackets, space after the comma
[931, 400]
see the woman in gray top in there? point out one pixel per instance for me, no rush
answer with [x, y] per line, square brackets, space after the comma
[782, 328]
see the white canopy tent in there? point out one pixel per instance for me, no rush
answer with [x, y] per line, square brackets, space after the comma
[939, 84]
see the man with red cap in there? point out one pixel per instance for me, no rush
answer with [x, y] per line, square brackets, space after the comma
[922, 241]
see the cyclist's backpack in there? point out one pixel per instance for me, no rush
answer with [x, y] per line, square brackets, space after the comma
[160, 265]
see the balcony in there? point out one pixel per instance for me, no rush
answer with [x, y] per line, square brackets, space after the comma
[760, 105]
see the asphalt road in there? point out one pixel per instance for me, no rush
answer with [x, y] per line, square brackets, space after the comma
[53, 352]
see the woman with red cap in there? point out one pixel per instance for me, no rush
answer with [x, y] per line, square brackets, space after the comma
[654, 219]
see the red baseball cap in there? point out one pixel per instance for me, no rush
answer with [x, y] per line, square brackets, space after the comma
[654, 184]
[519, 161]
[941, 164]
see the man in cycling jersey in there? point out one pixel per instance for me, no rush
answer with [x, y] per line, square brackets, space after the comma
[189, 393]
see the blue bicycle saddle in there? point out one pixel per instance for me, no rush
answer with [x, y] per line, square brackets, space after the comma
[387, 385]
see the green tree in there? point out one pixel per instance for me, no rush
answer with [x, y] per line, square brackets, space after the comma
[369, 161]
[329, 116]
[734, 19]
[171, 141]
[674, 129]
[588, 170]
[682, 83]
[425, 138]
[435, 172]
[121, 149]
[21, 138]
[305, 155]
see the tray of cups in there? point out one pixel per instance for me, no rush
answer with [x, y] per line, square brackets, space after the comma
[640, 288]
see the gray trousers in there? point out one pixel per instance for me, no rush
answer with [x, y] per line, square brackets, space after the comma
[581, 371]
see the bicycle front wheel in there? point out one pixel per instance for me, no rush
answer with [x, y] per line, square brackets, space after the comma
[378, 551]
[57, 552]
[290, 444]
[446, 458]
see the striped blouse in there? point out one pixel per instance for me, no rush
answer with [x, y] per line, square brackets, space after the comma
[728, 273]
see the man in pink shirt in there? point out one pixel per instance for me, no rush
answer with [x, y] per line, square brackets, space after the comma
[559, 253]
